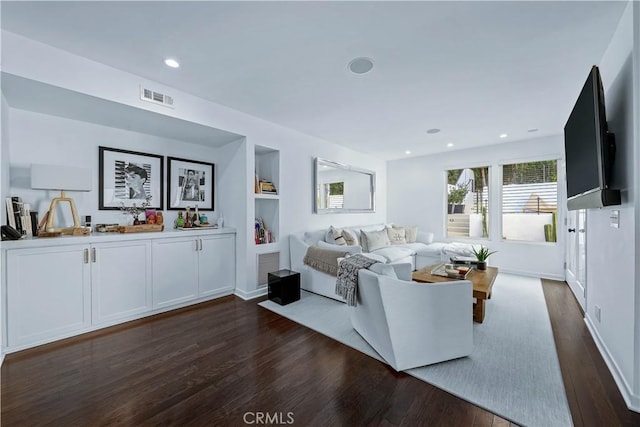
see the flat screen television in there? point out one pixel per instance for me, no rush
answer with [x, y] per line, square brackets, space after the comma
[589, 150]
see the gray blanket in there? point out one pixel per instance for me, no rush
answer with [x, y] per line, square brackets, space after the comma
[347, 283]
[325, 260]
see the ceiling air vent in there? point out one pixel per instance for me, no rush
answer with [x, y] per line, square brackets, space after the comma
[156, 97]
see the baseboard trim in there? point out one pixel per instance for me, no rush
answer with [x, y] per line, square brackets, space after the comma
[632, 400]
[535, 274]
[251, 295]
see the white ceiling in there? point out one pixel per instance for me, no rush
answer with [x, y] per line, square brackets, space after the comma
[473, 69]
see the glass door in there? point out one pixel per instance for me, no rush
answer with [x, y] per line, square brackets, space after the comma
[576, 254]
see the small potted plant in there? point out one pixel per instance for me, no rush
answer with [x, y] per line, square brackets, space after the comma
[481, 255]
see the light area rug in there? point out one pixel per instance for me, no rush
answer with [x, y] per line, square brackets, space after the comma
[513, 370]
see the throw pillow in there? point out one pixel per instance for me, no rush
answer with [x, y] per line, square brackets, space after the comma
[396, 235]
[376, 239]
[336, 233]
[363, 242]
[426, 237]
[349, 237]
[410, 233]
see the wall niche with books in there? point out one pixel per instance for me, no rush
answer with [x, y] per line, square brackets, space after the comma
[266, 197]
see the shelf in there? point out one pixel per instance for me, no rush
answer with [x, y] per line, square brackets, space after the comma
[268, 247]
[267, 205]
[267, 196]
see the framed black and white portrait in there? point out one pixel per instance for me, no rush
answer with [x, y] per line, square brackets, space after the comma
[190, 184]
[130, 177]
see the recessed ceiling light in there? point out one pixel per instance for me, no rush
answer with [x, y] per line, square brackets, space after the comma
[503, 135]
[450, 144]
[434, 130]
[407, 152]
[533, 130]
[360, 65]
[169, 62]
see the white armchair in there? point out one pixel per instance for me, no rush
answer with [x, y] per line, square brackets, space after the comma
[411, 324]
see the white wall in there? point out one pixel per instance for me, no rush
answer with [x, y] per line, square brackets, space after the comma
[4, 189]
[635, 399]
[612, 264]
[231, 189]
[4, 154]
[39, 62]
[416, 196]
[41, 138]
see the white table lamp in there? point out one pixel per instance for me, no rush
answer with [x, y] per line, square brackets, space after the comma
[61, 178]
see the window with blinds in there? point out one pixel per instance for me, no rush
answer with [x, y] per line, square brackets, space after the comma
[530, 201]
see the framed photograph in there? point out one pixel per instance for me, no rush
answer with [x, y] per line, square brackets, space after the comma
[190, 184]
[129, 177]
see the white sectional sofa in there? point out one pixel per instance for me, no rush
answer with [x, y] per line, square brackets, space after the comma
[419, 254]
[410, 324]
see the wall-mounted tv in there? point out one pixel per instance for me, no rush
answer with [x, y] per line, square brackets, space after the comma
[589, 150]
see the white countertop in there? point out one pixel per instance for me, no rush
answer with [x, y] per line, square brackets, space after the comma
[35, 242]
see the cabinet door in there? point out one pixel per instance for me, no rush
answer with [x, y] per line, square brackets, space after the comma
[120, 279]
[48, 293]
[217, 264]
[175, 271]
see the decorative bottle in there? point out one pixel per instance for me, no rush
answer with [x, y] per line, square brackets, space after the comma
[187, 220]
[180, 220]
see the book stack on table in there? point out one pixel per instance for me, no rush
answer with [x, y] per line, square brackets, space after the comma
[463, 260]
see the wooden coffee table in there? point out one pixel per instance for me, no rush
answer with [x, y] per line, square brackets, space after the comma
[482, 283]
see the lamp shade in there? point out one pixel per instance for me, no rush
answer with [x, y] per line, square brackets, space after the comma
[55, 177]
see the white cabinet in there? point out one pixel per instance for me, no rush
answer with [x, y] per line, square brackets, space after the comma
[48, 293]
[190, 267]
[120, 280]
[175, 270]
[63, 287]
[217, 266]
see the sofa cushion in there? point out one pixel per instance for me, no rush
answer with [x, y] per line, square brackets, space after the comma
[393, 253]
[383, 269]
[458, 249]
[414, 247]
[375, 257]
[352, 250]
[396, 235]
[375, 239]
[432, 250]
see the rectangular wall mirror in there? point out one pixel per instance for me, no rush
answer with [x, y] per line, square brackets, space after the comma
[341, 188]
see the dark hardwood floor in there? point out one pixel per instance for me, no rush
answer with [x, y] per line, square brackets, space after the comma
[592, 393]
[230, 362]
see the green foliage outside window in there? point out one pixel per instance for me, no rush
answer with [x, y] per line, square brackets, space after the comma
[457, 194]
[336, 188]
[530, 173]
